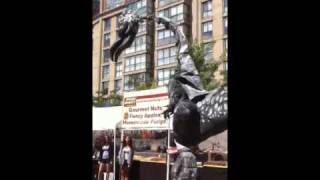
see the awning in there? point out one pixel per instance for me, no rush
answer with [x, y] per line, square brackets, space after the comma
[104, 118]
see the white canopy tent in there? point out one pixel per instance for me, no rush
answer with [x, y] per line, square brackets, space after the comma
[107, 118]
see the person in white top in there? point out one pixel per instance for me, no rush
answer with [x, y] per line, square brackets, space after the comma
[126, 158]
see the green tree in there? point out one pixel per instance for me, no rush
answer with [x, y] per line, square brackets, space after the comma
[224, 72]
[206, 69]
[144, 86]
[99, 100]
[114, 99]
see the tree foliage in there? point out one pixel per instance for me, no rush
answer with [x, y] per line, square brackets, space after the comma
[206, 69]
[114, 99]
[146, 85]
[99, 100]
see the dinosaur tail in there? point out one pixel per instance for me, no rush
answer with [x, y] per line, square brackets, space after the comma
[214, 113]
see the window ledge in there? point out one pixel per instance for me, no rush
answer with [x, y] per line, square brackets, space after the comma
[207, 19]
[141, 33]
[165, 46]
[180, 22]
[169, 4]
[135, 53]
[161, 46]
[164, 66]
[135, 72]
[207, 40]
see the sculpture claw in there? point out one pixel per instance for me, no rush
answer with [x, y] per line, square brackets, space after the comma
[167, 113]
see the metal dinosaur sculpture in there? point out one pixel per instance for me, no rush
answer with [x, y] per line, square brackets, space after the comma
[197, 113]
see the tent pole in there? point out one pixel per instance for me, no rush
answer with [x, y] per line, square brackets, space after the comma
[168, 156]
[114, 152]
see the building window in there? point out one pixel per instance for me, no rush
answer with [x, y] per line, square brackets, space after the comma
[140, 62]
[130, 64]
[207, 30]
[95, 7]
[106, 55]
[142, 27]
[167, 56]
[107, 24]
[174, 13]
[208, 48]
[225, 47]
[164, 2]
[119, 70]
[225, 25]
[132, 80]
[137, 5]
[207, 9]
[226, 65]
[139, 44]
[164, 13]
[131, 49]
[114, 3]
[106, 41]
[118, 86]
[135, 63]
[105, 72]
[225, 6]
[164, 75]
[165, 37]
[105, 87]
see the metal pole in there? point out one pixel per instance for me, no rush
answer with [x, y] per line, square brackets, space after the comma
[114, 152]
[121, 135]
[168, 156]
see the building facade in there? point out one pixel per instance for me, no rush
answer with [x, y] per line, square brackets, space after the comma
[152, 56]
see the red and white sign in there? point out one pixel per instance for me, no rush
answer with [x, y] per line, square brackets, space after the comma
[143, 109]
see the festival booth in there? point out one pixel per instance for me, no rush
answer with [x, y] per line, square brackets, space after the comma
[107, 118]
[142, 111]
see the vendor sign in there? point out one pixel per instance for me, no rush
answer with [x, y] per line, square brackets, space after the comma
[143, 109]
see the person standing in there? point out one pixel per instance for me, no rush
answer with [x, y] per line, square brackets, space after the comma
[126, 158]
[185, 165]
[106, 156]
[96, 157]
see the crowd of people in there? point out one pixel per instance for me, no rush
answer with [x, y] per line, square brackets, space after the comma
[103, 157]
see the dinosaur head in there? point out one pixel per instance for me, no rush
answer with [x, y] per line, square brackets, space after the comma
[129, 25]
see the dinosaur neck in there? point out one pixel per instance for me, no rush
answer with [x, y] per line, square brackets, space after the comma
[185, 62]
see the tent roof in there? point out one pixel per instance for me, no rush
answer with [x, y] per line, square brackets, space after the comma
[104, 118]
